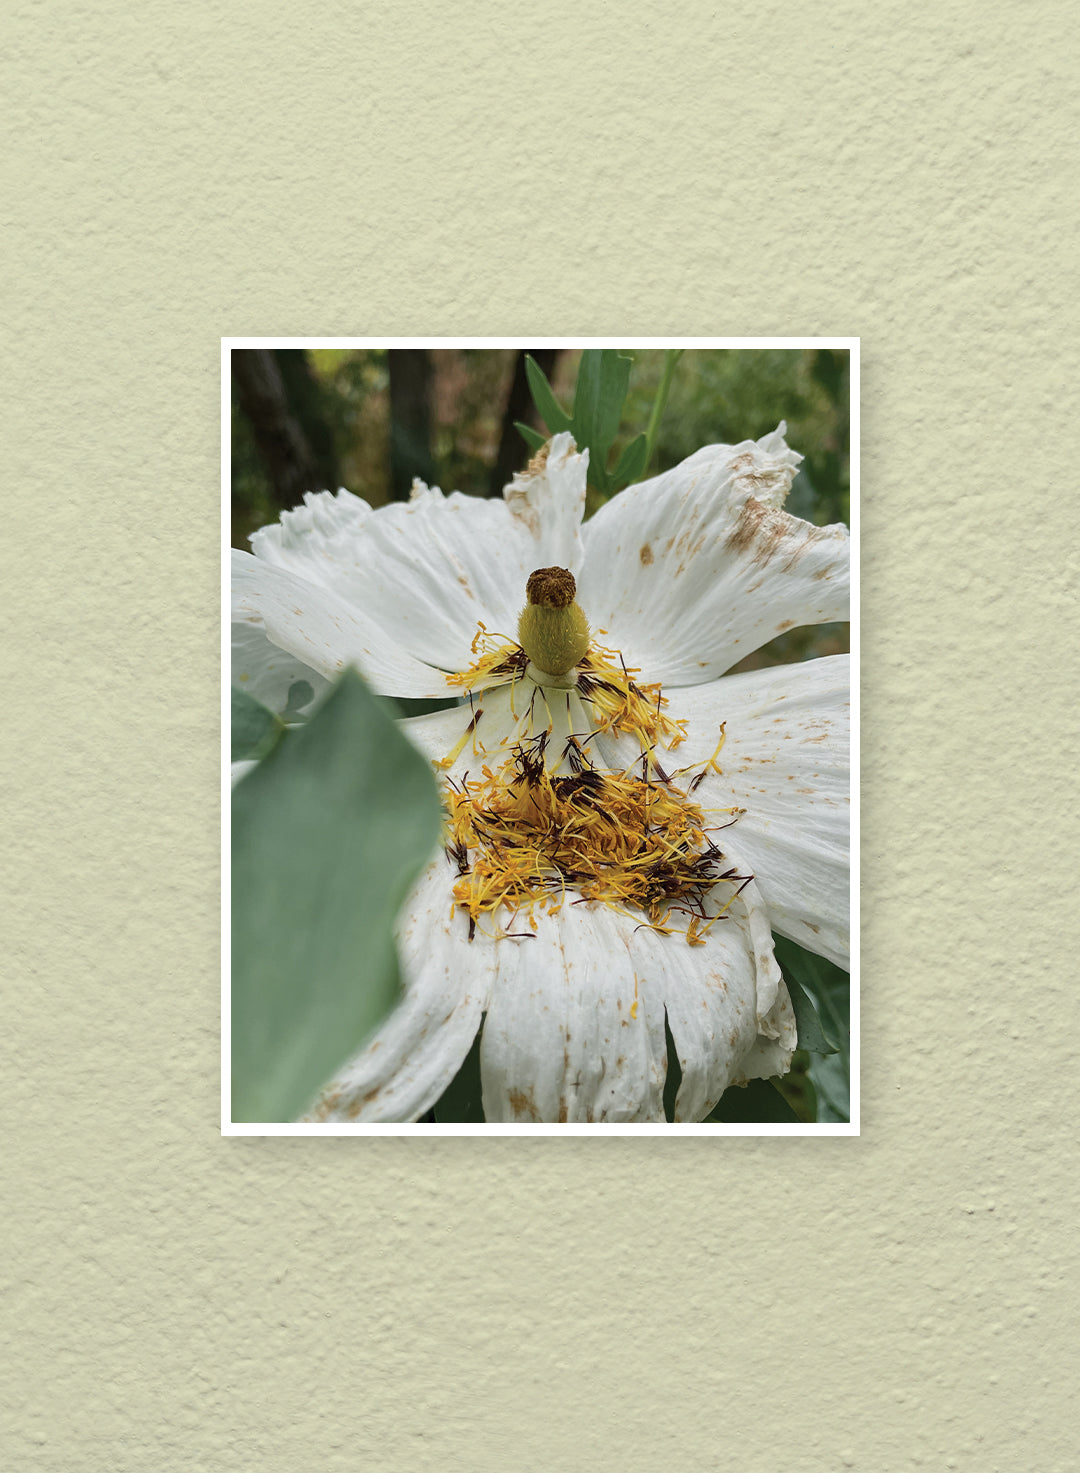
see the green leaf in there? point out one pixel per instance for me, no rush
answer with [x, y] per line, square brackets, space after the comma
[462, 1100]
[630, 463]
[533, 438]
[402, 706]
[757, 1102]
[807, 1023]
[301, 694]
[673, 1077]
[255, 729]
[827, 984]
[549, 408]
[832, 1087]
[329, 833]
[603, 378]
[828, 987]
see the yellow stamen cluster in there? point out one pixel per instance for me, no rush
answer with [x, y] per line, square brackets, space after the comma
[500, 661]
[523, 837]
[621, 707]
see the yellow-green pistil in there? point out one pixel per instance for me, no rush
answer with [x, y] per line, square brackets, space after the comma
[552, 629]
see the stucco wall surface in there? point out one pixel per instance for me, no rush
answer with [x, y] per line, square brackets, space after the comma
[181, 1303]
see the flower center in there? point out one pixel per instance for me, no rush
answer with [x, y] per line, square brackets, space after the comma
[552, 629]
[549, 818]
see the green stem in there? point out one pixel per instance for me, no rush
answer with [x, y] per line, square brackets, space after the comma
[671, 357]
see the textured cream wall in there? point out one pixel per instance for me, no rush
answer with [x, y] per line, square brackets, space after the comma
[186, 1304]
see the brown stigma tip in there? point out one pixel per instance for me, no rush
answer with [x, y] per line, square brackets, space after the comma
[552, 588]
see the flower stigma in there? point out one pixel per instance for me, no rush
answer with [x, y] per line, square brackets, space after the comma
[544, 819]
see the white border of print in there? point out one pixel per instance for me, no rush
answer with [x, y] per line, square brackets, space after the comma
[425, 1132]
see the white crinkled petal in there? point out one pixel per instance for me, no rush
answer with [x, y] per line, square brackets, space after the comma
[786, 761]
[269, 673]
[567, 1037]
[693, 570]
[429, 570]
[726, 1003]
[324, 632]
[412, 1058]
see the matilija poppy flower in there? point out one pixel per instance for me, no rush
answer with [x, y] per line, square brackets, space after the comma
[625, 825]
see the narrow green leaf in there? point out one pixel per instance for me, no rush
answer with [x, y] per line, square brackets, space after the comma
[631, 462]
[828, 985]
[602, 382]
[586, 422]
[614, 382]
[533, 438]
[807, 1022]
[757, 1102]
[255, 729]
[829, 989]
[462, 1100]
[548, 407]
[329, 833]
[400, 706]
[832, 1087]
[673, 1078]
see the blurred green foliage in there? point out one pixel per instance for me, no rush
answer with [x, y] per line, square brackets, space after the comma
[715, 395]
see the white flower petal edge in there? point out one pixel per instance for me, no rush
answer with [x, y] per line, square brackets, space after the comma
[322, 631]
[693, 570]
[427, 571]
[568, 1036]
[404, 1069]
[786, 760]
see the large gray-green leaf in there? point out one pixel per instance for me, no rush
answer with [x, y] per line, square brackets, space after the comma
[255, 729]
[329, 833]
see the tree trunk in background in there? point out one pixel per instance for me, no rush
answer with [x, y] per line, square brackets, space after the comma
[513, 452]
[284, 446]
[410, 419]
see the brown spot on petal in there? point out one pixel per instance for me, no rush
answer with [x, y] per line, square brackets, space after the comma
[646, 554]
[522, 1105]
[760, 527]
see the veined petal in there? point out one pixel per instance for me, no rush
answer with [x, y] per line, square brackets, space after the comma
[694, 569]
[430, 569]
[567, 1037]
[269, 673]
[416, 1053]
[322, 631]
[786, 761]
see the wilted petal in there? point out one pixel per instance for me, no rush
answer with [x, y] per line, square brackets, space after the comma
[568, 1036]
[427, 571]
[693, 570]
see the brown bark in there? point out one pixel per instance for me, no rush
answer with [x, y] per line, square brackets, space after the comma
[292, 466]
[410, 419]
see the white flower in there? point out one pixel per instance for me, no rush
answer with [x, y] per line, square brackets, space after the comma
[572, 956]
